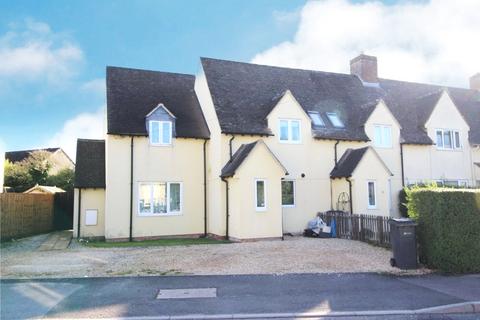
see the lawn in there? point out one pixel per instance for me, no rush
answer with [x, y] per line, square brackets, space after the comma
[154, 243]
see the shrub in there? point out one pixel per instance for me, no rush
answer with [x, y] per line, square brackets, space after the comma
[448, 227]
[402, 203]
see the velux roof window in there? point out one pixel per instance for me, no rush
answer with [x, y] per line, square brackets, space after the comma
[316, 119]
[335, 120]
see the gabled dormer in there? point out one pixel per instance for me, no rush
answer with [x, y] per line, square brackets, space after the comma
[382, 127]
[160, 125]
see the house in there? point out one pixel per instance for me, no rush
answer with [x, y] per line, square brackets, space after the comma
[44, 189]
[58, 158]
[248, 151]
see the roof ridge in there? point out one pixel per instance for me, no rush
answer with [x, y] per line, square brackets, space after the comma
[89, 140]
[153, 71]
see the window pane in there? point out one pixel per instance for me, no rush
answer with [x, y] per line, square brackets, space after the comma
[439, 139]
[371, 194]
[378, 136]
[288, 193]
[387, 137]
[335, 120]
[457, 139]
[145, 205]
[260, 194]
[317, 119]
[174, 197]
[447, 139]
[159, 198]
[283, 130]
[295, 130]
[166, 132]
[155, 132]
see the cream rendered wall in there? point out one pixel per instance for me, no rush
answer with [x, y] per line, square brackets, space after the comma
[390, 156]
[245, 221]
[340, 186]
[476, 168]
[91, 199]
[181, 162]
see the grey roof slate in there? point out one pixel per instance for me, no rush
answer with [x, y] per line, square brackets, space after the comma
[20, 155]
[133, 93]
[348, 162]
[243, 94]
[237, 159]
[90, 168]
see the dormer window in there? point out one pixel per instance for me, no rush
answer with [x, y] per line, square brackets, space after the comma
[316, 119]
[335, 120]
[160, 132]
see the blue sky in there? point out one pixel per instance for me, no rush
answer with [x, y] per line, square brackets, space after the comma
[52, 83]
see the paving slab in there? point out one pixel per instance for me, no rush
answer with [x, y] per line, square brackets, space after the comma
[59, 240]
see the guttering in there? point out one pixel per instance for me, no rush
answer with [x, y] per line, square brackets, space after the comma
[205, 187]
[79, 211]
[401, 165]
[131, 190]
[351, 196]
[227, 214]
[230, 145]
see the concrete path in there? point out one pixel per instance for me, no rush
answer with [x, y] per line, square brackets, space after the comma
[371, 296]
[58, 240]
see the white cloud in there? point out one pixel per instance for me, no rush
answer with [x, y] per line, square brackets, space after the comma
[30, 51]
[436, 41]
[84, 125]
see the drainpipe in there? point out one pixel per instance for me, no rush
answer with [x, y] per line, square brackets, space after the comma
[401, 164]
[205, 187]
[335, 148]
[227, 214]
[351, 196]
[336, 161]
[131, 189]
[230, 144]
[79, 211]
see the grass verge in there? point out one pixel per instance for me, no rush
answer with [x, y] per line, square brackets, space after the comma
[154, 243]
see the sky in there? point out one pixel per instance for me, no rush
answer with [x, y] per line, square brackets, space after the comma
[53, 54]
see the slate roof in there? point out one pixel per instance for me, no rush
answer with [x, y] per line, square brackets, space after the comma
[243, 94]
[133, 93]
[90, 169]
[237, 159]
[348, 162]
[17, 156]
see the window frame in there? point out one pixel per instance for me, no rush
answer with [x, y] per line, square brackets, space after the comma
[382, 128]
[316, 113]
[334, 115]
[453, 139]
[160, 132]
[167, 195]
[294, 194]
[264, 208]
[289, 131]
[370, 206]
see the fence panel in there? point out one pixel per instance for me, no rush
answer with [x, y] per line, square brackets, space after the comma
[23, 214]
[367, 228]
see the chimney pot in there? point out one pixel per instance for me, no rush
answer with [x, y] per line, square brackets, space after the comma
[475, 82]
[365, 67]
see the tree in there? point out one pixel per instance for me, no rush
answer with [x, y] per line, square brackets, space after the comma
[63, 179]
[17, 177]
[38, 166]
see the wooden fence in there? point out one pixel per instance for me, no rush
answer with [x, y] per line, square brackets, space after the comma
[367, 228]
[24, 214]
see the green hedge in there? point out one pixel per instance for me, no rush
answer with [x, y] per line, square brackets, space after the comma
[448, 227]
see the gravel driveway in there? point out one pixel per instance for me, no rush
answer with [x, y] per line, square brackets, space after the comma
[294, 255]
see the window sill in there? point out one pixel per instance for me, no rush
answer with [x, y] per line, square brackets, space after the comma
[160, 144]
[288, 206]
[289, 142]
[260, 209]
[142, 215]
[372, 208]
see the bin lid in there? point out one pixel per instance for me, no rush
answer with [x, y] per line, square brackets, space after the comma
[402, 221]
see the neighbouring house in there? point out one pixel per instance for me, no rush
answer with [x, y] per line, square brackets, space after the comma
[58, 158]
[44, 189]
[248, 151]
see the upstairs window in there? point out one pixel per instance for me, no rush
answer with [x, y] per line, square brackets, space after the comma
[316, 119]
[383, 136]
[447, 139]
[289, 131]
[160, 133]
[335, 120]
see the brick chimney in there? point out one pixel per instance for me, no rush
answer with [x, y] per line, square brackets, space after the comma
[365, 67]
[475, 81]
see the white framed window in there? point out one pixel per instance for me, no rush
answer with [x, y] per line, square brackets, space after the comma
[91, 216]
[289, 131]
[159, 198]
[316, 118]
[288, 193]
[260, 195]
[372, 194]
[160, 133]
[383, 136]
[447, 139]
[335, 120]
